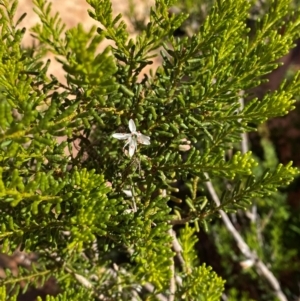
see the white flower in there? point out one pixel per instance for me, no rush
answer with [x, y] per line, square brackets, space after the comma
[132, 139]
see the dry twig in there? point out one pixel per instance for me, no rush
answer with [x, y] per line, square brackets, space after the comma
[244, 248]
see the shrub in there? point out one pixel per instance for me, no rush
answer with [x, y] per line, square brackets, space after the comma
[118, 220]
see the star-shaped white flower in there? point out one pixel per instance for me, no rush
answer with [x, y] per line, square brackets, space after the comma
[132, 139]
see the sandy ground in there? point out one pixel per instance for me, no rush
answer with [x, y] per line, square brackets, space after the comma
[73, 12]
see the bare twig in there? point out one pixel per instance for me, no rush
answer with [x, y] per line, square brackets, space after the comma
[176, 247]
[172, 266]
[244, 143]
[150, 288]
[244, 248]
[178, 250]
[172, 282]
[244, 149]
[224, 297]
[81, 279]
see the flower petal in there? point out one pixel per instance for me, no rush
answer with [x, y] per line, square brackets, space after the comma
[121, 136]
[128, 141]
[128, 192]
[132, 126]
[143, 139]
[132, 147]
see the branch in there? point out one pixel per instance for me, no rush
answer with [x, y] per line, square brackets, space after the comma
[176, 247]
[244, 248]
[244, 149]
[244, 142]
[150, 288]
[172, 268]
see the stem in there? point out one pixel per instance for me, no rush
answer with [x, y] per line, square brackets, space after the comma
[244, 248]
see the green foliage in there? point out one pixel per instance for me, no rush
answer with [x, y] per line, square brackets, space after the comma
[101, 219]
[265, 232]
[200, 283]
[188, 242]
[3, 294]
